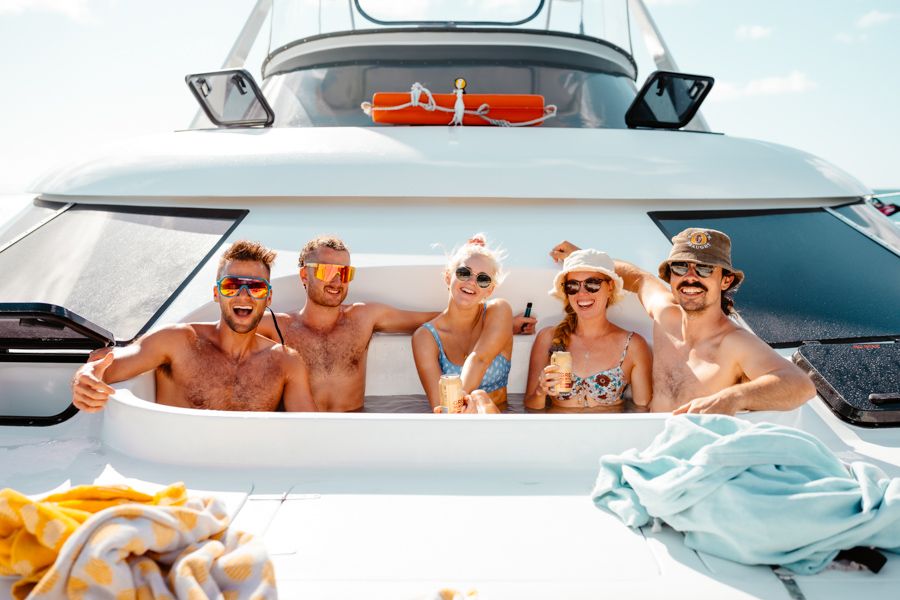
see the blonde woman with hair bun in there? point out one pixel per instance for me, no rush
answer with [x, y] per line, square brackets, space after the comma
[472, 337]
[605, 357]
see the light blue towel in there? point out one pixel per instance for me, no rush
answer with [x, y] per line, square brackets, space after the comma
[752, 493]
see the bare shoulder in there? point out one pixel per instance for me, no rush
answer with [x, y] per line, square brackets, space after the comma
[364, 311]
[421, 333]
[181, 332]
[668, 315]
[499, 307]
[288, 356]
[543, 340]
[739, 342]
[424, 344]
[638, 346]
[176, 339]
[358, 309]
[545, 336]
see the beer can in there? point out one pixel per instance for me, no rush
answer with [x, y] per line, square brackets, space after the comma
[563, 360]
[451, 394]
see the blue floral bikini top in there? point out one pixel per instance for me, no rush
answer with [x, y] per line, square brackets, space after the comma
[496, 376]
[601, 388]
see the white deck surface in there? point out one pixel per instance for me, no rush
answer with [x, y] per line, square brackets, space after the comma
[509, 530]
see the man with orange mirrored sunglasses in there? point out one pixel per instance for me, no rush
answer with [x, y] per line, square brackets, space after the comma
[221, 366]
[333, 337]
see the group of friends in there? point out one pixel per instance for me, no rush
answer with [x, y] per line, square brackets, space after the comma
[314, 359]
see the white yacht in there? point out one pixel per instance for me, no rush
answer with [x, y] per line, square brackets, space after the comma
[393, 502]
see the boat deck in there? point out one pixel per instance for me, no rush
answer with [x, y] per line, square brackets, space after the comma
[508, 531]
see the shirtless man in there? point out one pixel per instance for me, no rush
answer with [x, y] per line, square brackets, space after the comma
[333, 337]
[703, 362]
[221, 366]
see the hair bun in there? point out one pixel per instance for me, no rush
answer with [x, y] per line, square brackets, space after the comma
[477, 240]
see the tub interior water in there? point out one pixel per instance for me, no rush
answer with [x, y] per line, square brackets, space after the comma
[418, 403]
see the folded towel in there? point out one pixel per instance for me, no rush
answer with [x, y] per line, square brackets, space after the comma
[752, 493]
[134, 546]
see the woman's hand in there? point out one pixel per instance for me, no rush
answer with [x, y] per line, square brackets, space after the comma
[548, 380]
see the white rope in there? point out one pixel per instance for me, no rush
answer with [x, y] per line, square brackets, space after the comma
[459, 108]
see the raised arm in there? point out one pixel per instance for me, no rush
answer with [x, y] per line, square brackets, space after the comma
[297, 395]
[90, 389]
[774, 382]
[388, 319]
[425, 353]
[651, 291]
[495, 336]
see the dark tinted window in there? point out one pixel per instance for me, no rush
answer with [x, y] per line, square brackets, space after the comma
[115, 267]
[331, 96]
[810, 276]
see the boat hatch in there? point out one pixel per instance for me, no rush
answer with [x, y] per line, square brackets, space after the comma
[668, 100]
[860, 382]
[28, 328]
[105, 263]
[811, 274]
[231, 98]
[38, 344]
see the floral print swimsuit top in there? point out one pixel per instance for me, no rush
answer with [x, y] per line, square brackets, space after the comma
[603, 388]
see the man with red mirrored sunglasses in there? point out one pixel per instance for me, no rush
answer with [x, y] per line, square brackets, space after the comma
[703, 361]
[222, 366]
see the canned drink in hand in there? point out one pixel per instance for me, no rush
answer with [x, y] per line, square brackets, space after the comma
[451, 394]
[563, 361]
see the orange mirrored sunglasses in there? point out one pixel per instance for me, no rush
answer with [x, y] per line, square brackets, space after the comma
[326, 272]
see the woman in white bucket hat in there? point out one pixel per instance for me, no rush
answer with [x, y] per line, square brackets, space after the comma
[605, 357]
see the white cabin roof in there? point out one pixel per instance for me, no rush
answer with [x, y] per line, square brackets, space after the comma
[477, 162]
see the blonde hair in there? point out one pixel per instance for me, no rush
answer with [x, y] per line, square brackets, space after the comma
[321, 241]
[478, 245]
[245, 250]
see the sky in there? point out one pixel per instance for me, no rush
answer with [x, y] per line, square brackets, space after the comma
[818, 75]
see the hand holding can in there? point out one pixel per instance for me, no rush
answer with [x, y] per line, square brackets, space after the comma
[563, 360]
[451, 394]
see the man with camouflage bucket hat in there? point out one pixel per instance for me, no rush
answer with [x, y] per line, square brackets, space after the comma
[703, 361]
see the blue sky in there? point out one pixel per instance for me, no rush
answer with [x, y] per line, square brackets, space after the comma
[819, 75]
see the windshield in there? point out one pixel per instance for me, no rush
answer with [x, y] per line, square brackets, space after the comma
[457, 12]
[331, 95]
[294, 20]
[116, 267]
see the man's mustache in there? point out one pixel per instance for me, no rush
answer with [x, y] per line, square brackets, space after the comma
[696, 284]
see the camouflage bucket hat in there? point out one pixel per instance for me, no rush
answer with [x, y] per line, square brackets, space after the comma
[703, 246]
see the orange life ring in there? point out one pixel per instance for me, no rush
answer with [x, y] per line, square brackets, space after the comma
[515, 108]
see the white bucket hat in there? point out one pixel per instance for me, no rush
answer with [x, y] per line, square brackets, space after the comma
[588, 260]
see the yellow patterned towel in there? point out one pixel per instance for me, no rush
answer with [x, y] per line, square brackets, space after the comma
[136, 546]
